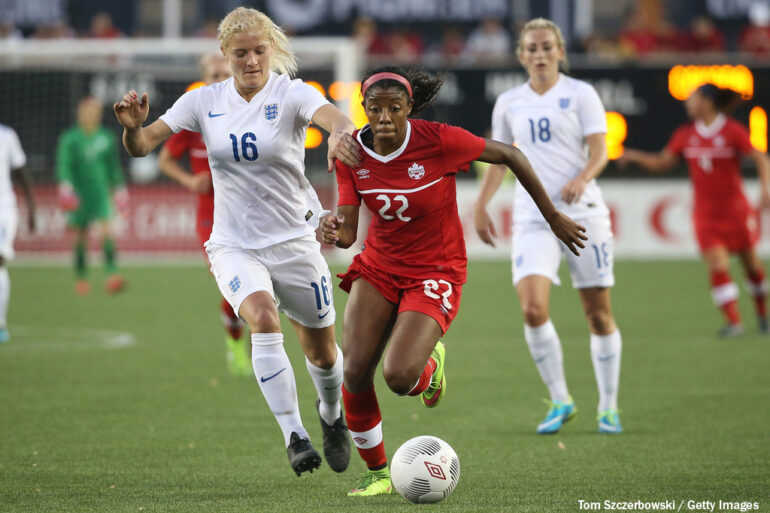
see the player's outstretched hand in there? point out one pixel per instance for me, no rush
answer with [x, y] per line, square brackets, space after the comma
[568, 231]
[572, 190]
[342, 146]
[329, 226]
[132, 111]
[484, 226]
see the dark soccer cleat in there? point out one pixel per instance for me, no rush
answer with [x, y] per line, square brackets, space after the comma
[764, 326]
[302, 456]
[730, 331]
[336, 442]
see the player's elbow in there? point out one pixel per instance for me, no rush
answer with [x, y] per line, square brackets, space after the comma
[345, 242]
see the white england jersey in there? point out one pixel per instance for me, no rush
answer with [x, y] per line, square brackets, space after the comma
[11, 157]
[550, 130]
[256, 153]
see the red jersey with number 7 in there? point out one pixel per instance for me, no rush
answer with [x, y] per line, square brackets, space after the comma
[713, 154]
[415, 227]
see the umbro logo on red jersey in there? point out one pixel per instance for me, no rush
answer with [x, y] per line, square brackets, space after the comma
[416, 171]
[363, 173]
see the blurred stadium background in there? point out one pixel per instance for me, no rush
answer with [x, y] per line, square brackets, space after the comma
[643, 57]
[124, 403]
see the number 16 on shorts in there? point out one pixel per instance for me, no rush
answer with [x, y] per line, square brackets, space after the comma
[322, 296]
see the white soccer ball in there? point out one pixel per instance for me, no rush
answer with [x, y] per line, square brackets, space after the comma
[425, 469]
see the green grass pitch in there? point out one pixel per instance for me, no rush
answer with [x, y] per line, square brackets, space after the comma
[90, 424]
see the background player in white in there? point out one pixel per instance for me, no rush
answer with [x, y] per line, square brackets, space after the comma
[12, 158]
[262, 248]
[552, 119]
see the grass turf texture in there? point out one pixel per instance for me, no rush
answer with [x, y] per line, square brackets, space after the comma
[160, 426]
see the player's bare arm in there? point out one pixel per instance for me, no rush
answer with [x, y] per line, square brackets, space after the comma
[597, 161]
[341, 143]
[493, 177]
[26, 185]
[341, 229]
[132, 112]
[567, 230]
[762, 162]
[660, 162]
[200, 183]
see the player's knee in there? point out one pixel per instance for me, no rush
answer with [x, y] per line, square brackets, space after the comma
[600, 321]
[322, 357]
[535, 313]
[263, 320]
[400, 379]
[356, 374]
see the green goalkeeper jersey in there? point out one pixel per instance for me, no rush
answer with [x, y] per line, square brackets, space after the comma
[90, 163]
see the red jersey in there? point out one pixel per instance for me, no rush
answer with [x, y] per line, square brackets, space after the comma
[192, 144]
[415, 228]
[713, 154]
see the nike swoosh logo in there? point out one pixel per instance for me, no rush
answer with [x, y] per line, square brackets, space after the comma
[605, 358]
[216, 115]
[271, 377]
[335, 387]
[324, 315]
[541, 359]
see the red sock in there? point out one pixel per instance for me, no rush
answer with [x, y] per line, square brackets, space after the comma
[231, 321]
[758, 289]
[364, 419]
[725, 295]
[424, 381]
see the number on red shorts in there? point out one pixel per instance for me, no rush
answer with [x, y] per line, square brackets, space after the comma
[432, 285]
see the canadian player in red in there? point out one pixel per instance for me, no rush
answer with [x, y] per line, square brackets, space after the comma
[198, 180]
[724, 220]
[405, 285]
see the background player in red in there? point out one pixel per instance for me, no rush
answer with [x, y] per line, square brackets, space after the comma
[190, 144]
[413, 263]
[724, 221]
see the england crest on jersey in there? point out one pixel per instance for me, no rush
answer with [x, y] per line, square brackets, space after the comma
[564, 103]
[416, 171]
[271, 111]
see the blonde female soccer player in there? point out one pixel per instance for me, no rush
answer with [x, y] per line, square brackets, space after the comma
[553, 119]
[262, 249]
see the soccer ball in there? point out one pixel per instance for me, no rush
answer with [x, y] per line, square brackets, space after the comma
[425, 469]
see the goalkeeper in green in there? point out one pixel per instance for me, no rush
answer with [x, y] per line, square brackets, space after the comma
[88, 170]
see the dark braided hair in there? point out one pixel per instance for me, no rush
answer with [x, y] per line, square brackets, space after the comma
[725, 100]
[424, 87]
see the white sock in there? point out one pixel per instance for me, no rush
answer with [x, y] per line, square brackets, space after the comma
[276, 379]
[5, 295]
[545, 347]
[328, 382]
[605, 353]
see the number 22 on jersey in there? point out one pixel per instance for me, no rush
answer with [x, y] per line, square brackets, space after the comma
[399, 213]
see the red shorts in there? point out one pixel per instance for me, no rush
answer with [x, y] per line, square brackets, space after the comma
[434, 296]
[736, 234]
